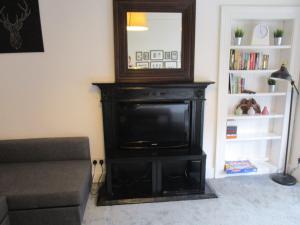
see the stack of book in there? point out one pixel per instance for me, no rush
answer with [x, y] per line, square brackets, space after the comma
[240, 60]
[231, 130]
[240, 166]
[236, 84]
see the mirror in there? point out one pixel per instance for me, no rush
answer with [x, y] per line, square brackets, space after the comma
[154, 40]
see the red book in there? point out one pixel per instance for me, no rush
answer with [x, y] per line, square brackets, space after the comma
[251, 61]
[250, 66]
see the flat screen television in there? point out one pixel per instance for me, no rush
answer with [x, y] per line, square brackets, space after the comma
[154, 125]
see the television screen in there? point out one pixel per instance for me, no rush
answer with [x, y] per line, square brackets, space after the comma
[154, 125]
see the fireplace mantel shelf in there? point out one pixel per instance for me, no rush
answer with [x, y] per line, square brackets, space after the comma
[203, 84]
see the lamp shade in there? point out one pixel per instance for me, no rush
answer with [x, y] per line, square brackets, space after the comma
[282, 73]
[137, 21]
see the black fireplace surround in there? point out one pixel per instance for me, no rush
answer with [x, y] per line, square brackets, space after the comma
[153, 142]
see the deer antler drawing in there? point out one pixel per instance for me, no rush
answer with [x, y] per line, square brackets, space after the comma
[14, 28]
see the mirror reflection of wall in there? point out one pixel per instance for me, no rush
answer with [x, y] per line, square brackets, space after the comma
[154, 40]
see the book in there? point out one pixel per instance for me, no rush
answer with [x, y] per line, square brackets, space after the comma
[231, 130]
[232, 57]
[240, 166]
[236, 84]
[241, 60]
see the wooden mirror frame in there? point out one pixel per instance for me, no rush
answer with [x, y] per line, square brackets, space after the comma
[183, 74]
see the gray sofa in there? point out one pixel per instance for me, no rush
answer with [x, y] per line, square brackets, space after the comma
[4, 220]
[45, 181]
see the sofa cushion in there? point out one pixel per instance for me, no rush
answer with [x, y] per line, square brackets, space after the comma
[3, 208]
[45, 184]
[5, 221]
[44, 149]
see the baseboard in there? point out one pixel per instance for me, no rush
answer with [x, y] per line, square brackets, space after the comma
[210, 173]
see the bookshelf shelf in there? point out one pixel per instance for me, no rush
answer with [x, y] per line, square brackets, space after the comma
[262, 47]
[255, 137]
[266, 94]
[259, 116]
[265, 167]
[268, 72]
[261, 139]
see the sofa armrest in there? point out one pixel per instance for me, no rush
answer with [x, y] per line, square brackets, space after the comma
[3, 209]
[44, 149]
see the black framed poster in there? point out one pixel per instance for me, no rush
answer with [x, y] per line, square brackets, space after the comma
[20, 26]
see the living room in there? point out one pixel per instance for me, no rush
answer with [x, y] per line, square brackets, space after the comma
[47, 91]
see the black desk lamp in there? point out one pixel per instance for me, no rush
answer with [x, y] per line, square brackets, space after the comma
[284, 178]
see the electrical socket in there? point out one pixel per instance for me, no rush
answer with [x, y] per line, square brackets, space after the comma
[95, 162]
[98, 160]
[101, 161]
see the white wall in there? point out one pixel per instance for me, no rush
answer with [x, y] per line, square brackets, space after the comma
[50, 94]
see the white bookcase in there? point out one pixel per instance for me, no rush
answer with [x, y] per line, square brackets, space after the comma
[260, 138]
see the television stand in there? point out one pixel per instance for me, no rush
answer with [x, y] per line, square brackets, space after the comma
[162, 113]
